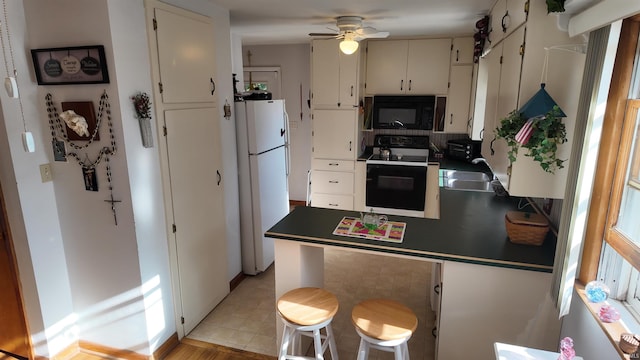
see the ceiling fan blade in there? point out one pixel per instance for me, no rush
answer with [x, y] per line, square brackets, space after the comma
[378, 35]
[323, 34]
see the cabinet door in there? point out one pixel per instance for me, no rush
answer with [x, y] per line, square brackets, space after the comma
[325, 72]
[348, 81]
[498, 13]
[487, 98]
[507, 97]
[457, 119]
[428, 66]
[462, 52]
[334, 134]
[386, 67]
[185, 78]
[517, 14]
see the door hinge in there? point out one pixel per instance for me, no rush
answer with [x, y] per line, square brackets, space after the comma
[522, 48]
[526, 8]
[449, 85]
[155, 24]
[182, 320]
[164, 130]
[174, 228]
[160, 87]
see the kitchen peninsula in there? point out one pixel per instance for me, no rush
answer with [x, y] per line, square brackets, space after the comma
[492, 290]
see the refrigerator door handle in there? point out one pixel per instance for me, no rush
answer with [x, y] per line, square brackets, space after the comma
[286, 142]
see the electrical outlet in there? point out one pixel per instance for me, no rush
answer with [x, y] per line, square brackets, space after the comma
[45, 173]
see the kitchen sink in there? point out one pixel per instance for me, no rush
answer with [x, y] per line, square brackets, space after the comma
[465, 180]
[469, 185]
[465, 175]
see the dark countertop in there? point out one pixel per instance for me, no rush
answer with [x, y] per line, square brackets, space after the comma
[470, 229]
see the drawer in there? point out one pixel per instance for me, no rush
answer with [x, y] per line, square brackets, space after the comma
[332, 201]
[332, 165]
[332, 182]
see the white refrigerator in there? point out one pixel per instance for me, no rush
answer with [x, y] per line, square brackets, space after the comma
[263, 167]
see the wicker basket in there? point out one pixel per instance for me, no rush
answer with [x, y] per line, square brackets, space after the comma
[526, 228]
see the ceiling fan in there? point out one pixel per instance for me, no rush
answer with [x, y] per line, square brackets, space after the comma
[350, 29]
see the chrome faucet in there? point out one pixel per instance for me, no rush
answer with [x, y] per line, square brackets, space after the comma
[483, 160]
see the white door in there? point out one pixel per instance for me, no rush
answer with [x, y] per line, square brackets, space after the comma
[182, 58]
[428, 66]
[325, 72]
[198, 207]
[386, 67]
[457, 119]
[186, 57]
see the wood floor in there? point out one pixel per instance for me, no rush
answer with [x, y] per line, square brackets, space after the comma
[193, 349]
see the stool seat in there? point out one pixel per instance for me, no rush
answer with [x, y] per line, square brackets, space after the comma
[307, 306]
[384, 319]
[306, 311]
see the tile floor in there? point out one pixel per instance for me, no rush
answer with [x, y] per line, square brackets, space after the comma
[246, 318]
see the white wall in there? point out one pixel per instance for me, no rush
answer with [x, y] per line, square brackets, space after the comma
[31, 205]
[294, 63]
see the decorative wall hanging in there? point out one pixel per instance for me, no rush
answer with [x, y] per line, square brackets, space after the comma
[87, 164]
[142, 106]
[70, 65]
[80, 120]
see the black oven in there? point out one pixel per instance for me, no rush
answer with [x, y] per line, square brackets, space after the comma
[403, 112]
[396, 186]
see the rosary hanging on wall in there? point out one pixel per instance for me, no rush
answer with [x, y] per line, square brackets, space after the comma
[81, 124]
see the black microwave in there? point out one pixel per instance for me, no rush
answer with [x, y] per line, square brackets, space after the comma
[403, 112]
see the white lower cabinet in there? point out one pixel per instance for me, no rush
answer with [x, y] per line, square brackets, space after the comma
[332, 184]
[483, 304]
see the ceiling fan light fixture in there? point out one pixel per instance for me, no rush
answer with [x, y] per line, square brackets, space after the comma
[348, 46]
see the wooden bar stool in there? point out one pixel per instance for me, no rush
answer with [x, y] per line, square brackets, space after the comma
[305, 311]
[384, 325]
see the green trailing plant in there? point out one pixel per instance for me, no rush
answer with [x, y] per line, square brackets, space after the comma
[547, 133]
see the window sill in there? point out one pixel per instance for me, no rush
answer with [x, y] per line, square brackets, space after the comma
[626, 324]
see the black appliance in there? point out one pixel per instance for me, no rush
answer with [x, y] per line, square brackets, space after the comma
[403, 112]
[464, 149]
[397, 182]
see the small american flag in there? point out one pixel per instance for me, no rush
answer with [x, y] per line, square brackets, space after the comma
[525, 132]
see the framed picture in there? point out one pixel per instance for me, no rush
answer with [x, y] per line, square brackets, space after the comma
[70, 65]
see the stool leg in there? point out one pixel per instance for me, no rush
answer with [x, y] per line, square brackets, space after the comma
[398, 351]
[317, 344]
[284, 345]
[363, 350]
[333, 349]
[405, 350]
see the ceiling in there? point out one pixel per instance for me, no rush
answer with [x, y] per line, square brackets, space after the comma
[290, 21]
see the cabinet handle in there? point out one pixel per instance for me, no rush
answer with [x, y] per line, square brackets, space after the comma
[493, 152]
[409, 85]
[333, 181]
[482, 134]
[213, 86]
[451, 120]
[349, 145]
[436, 289]
[457, 55]
[330, 204]
[505, 21]
[219, 177]
[351, 90]
[434, 331]
[401, 85]
[333, 164]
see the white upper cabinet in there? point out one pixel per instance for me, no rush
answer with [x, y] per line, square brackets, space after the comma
[457, 120]
[334, 77]
[334, 134]
[462, 51]
[506, 16]
[412, 67]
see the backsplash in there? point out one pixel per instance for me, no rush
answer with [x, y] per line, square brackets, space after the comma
[437, 138]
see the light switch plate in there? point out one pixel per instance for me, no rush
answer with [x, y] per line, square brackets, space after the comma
[45, 173]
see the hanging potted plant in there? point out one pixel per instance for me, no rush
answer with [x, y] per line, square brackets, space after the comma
[539, 135]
